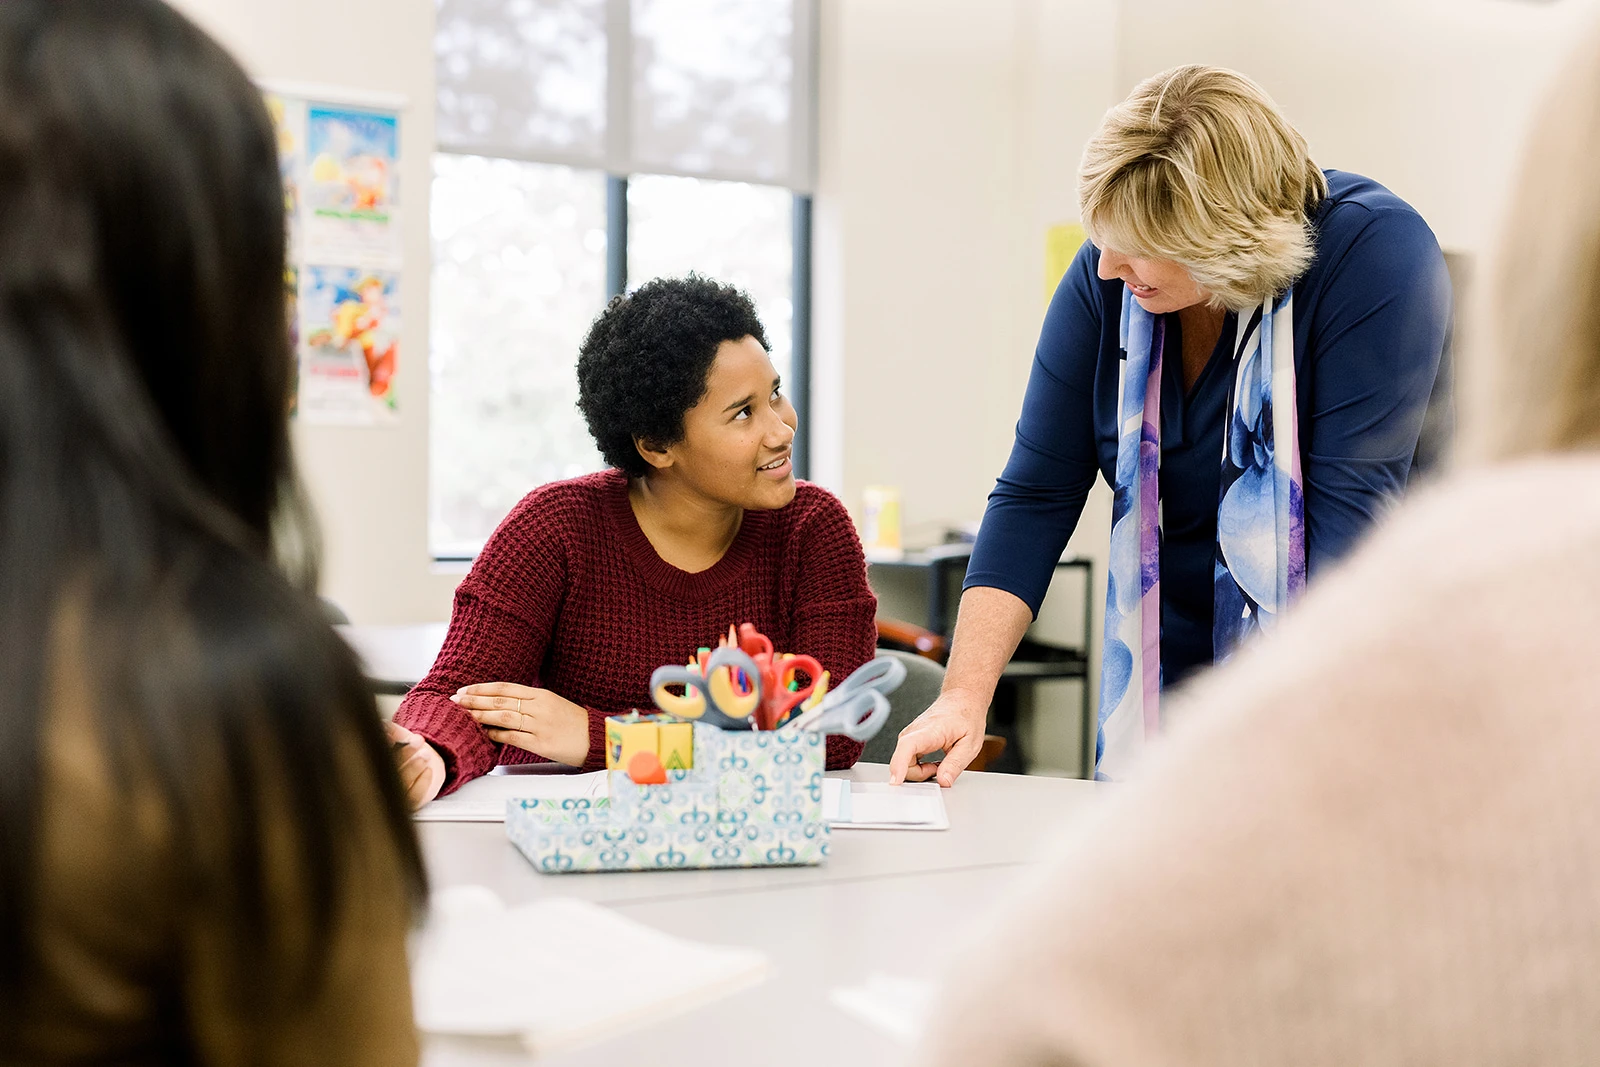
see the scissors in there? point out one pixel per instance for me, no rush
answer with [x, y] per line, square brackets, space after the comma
[777, 674]
[778, 699]
[715, 697]
[750, 640]
[858, 707]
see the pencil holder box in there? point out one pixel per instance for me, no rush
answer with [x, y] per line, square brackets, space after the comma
[752, 799]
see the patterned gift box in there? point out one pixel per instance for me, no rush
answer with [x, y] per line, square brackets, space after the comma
[753, 799]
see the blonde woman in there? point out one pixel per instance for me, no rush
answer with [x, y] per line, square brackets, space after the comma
[1245, 349]
[1374, 837]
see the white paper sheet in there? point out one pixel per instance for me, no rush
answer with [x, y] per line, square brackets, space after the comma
[848, 805]
[484, 799]
[560, 972]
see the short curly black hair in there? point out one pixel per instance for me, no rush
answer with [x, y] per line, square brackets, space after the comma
[645, 360]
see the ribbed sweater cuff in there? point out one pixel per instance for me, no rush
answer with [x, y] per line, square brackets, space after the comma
[467, 753]
[596, 760]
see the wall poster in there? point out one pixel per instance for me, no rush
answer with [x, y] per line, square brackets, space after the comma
[339, 161]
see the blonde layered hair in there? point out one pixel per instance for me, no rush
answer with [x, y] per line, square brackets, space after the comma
[1199, 166]
[1530, 379]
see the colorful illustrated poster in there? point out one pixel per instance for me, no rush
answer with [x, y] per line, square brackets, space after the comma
[289, 122]
[350, 343]
[339, 165]
[352, 186]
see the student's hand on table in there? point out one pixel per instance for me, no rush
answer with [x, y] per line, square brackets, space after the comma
[534, 719]
[421, 767]
[955, 723]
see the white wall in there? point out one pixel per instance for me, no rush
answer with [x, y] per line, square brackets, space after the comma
[949, 138]
[948, 142]
[369, 485]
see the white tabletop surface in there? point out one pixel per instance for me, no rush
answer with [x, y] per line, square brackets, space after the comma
[886, 901]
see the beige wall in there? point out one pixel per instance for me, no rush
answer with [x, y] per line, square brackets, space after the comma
[369, 484]
[949, 137]
[948, 141]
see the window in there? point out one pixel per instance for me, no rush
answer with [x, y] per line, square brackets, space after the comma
[518, 271]
[733, 231]
[586, 146]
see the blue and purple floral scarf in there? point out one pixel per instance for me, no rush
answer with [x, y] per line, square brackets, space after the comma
[1261, 543]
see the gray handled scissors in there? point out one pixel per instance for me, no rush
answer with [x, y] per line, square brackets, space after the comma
[858, 707]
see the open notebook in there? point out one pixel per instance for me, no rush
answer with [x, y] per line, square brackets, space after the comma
[554, 972]
[484, 799]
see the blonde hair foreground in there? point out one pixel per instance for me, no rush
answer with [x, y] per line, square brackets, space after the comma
[1530, 381]
[1199, 166]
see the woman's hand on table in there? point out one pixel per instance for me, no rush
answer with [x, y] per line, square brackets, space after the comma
[420, 765]
[954, 723]
[533, 719]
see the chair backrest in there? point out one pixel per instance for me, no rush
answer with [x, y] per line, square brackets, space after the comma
[921, 688]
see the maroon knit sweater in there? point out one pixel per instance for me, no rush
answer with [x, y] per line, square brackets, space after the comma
[569, 596]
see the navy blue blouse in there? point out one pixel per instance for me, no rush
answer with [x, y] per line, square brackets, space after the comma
[1370, 320]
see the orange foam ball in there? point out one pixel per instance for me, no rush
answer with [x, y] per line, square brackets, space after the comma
[645, 769]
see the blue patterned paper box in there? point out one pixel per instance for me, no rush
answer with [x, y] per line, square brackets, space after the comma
[753, 799]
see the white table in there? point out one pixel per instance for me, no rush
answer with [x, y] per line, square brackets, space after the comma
[395, 658]
[890, 901]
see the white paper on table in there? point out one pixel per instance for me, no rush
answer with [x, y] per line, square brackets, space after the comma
[848, 805]
[900, 1007]
[560, 972]
[484, 799]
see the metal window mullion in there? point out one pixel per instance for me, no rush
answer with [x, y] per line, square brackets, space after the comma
[616, 235]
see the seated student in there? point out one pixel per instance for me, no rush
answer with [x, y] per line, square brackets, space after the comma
[592, 583]
[1374, 837]
[205, 853]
